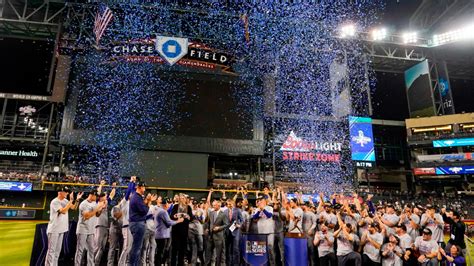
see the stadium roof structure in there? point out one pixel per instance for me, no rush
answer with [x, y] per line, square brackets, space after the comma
[42, 19]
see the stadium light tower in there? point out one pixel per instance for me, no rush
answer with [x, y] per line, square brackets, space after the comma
[379, 34]
[465, 33]
[410, 37]
[348, 31]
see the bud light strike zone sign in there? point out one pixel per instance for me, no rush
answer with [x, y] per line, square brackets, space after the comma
[298, 149]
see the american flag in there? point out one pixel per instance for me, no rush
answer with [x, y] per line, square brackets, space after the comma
[102, 19]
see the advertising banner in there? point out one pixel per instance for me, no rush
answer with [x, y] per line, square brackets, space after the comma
[16, 186]
[445, 157]
[361, 139]
[419, 91]
[13, 153]
[424, 171]
[174, 50]
[455, 170]
[298, 149]
[453, 142]
[17, 214]
[445, 88]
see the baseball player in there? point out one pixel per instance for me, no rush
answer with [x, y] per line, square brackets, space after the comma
[59, 223]
[88, 211]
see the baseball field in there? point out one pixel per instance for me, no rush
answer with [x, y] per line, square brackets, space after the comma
[16, 242]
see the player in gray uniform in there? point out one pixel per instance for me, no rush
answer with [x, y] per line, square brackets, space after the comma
[390, 219]
[88, 211]
[324, 241]
[115, 235]
[309, 228]
[59, 223]
[411, 221]
[345, 244]
[434, 221]
[126, 234]
[149, 242]
[102, 227]
[372, 242]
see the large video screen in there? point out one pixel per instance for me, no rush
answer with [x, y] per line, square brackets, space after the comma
[185, 104]
[361, 139]
[25, 66]
[419, 92]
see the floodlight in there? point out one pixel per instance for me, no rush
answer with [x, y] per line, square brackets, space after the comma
[454, 35]
[410, 37]
[379, 34]
[348, 31]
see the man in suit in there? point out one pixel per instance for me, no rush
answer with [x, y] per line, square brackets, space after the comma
[217, 224]
[232, 233]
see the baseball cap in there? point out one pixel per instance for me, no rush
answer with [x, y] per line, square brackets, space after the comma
[402, 226]
[374, 225]
[427, 231]
[64, 189]
[94, 192]
[396, 237]
[141, 184]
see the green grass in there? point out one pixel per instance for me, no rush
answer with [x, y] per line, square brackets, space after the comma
[16, 242]
[470, 248]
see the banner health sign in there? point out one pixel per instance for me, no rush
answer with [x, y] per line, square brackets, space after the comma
[453, 142]
[361, 139]
[15, 186]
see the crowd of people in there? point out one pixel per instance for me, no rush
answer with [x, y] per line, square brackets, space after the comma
[145, 229]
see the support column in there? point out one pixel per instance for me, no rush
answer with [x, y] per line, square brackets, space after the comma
[48, 136]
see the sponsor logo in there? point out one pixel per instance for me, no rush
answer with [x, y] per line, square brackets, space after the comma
[424, 171]
[455, 169]
[171, 48]
[298, 149]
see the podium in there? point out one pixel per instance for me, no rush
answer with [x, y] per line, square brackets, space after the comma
[254, 248]
[296, 249]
